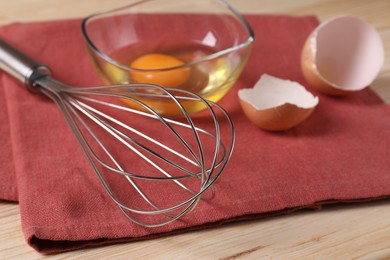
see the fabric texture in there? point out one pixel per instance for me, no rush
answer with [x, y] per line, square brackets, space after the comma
[339, 154]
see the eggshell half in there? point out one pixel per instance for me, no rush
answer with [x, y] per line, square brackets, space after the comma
[342, 55]
[275, 104]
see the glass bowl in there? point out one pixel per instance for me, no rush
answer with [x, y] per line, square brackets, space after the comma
[201, 46]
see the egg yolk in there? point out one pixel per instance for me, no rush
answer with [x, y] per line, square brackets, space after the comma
[152, 63]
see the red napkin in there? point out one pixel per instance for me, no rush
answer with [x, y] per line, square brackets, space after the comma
[340, 154]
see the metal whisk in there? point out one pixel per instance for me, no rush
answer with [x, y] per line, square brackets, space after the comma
[181, 158]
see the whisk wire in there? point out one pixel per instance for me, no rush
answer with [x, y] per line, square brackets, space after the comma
[69, 104]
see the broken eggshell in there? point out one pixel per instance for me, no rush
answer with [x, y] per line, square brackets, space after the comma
[275, 104]
[342, 55]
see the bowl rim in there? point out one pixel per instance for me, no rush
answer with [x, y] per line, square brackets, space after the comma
[243, 21]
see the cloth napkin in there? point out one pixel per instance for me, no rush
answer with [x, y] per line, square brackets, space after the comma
[339, 154]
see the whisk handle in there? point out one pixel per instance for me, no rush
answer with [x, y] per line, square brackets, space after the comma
[21, 66]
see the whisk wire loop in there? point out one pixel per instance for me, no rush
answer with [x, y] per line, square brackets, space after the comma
[76, 103]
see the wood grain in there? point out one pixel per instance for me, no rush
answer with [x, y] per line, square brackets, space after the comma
[360, 231]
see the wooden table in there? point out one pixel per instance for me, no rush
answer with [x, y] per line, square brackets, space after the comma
[336, 232]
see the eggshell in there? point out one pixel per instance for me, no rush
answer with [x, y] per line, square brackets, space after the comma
[342, 55]
[275, 104]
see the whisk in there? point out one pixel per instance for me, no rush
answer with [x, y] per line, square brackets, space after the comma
[181, 158]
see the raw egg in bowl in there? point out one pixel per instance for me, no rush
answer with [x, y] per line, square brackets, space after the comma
[201, 46]
[342, 55]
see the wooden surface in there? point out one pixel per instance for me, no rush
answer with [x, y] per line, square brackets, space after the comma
[359, 231]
